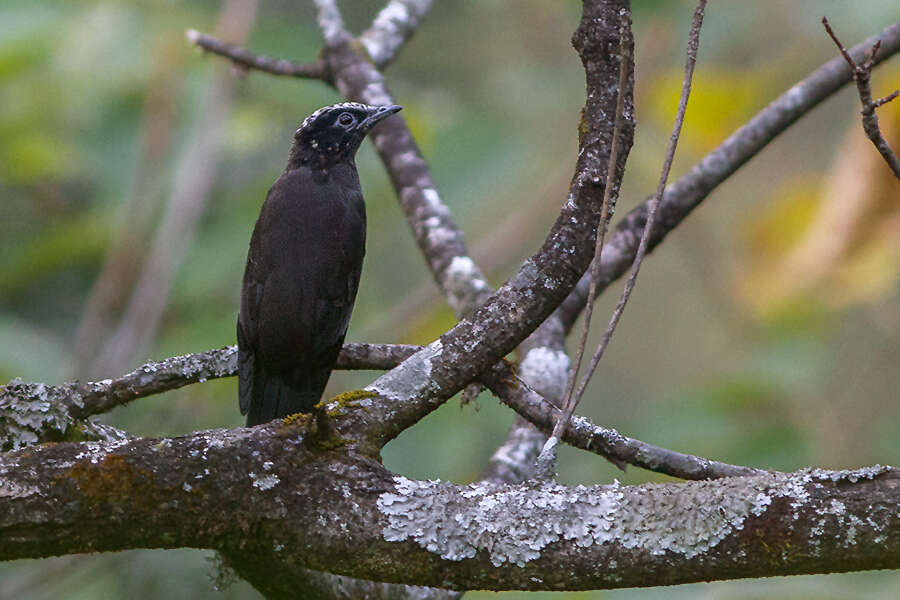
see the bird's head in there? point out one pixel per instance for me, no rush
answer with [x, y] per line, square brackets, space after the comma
[334, 133]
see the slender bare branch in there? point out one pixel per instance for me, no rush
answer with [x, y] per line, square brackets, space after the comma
[391, 29]
[186, 204]
[609, 443]
[606, 210]
[689, 191]
[547, 455]
[83, 399]
[693, 46]
[862, 74]
[248, 60]
[893, 95]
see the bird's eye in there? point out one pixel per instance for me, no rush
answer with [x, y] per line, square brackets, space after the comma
[346, 119]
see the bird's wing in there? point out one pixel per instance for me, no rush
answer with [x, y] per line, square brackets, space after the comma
[251, 293]
[300, 283]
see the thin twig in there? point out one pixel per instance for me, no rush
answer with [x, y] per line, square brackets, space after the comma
[605, 214]
[692, 189]
[609, 443]
[886, 99]
[249, 60]
[572, 403]
[862, 74]
[693, 45]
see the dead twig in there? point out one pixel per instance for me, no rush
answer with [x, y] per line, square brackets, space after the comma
[606, 210]
[545, 458]
[862, 75]
[245, 59]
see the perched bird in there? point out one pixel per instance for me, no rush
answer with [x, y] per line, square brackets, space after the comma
[303, 266]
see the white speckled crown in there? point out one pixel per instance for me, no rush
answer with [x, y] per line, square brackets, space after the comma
[340, 105]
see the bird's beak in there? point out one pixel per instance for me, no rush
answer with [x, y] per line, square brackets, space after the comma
[382, 112]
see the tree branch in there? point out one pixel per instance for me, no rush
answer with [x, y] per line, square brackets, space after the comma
[248, 60]
[548, 455]
[862, 74]
[609, 443]
[689, 191]
[35, 412]
[427, 379]
[439, 239]
[331, 23]
[265, 498]
[392, 28]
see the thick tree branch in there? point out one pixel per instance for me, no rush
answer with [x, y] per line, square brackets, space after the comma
[689, 191]
[862, 74]
[267, 498]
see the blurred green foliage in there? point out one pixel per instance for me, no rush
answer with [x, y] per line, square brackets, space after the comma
[492, 91]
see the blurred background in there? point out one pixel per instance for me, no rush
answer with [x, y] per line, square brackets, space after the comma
[765, 331]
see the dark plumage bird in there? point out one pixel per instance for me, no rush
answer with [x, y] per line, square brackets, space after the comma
[303, 266]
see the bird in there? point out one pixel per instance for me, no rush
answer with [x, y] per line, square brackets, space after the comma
[303, 266]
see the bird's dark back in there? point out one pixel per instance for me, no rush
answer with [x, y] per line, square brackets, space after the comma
[300, 284]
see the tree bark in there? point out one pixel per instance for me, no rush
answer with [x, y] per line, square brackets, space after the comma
[283, 497]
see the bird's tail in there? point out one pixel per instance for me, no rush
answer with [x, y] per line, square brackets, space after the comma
[275, 397]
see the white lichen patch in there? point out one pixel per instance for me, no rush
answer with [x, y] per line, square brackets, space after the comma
[438, 236]
[386, 32]
[28, 411]
[97, 451]
[546, 371]
[410, 378]
[851, 475]
[264, 482]
[463, 282]
[513, 524]
[14, 490]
